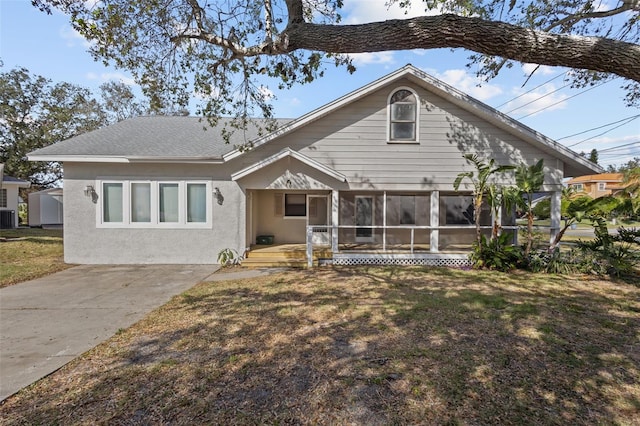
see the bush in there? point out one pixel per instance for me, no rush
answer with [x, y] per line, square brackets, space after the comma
[496, 254]
[607, 254]
[542, 209]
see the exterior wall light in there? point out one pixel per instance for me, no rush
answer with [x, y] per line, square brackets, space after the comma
[218, 195]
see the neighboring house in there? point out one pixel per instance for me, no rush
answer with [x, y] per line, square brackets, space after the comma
[369, 174]
[597, 185]
[45, 207]
[9, 201]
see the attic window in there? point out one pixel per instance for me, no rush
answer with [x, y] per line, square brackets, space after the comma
[403, 112]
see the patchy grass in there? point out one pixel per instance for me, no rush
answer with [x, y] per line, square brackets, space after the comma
[26, 254]
[362, 346]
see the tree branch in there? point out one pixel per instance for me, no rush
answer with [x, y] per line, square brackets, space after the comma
[572, 19]
[482, 36]
[295, 11]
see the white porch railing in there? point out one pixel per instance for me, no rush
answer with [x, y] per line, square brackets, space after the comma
[412, 228]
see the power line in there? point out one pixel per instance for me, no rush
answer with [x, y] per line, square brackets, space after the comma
[615, 148]
[596, 128]
[565, 99]
[537, 99]
[605, 132]
[531, 90]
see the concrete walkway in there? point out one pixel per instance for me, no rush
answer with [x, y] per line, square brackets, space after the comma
[47, 322]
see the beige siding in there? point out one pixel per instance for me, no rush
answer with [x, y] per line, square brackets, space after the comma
[353, 141]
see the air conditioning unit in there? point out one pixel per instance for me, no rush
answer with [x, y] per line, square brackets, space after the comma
[7, 219]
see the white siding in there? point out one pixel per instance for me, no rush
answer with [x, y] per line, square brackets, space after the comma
[353, 141]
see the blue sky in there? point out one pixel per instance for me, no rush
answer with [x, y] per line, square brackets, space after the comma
[47, 45]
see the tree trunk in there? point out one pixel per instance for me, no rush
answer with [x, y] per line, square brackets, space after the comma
[452, 31]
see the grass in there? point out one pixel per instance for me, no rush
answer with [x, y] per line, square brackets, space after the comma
[29, 253]
[362, 346]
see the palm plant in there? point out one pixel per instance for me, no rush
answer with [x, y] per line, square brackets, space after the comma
[529, 179]
[480, 181]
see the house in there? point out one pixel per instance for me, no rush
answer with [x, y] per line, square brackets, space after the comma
[9, 201]
[597, 185]
[369, 175]
[45, 208]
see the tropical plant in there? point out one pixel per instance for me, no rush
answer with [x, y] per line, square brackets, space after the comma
[497, 253]
[229, 257]
[612, 254]
[480, 181]
[529, 179]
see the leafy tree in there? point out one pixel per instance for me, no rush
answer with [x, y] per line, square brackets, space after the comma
[119, 102]
[593, 156]
[226, 50]
[36, 113]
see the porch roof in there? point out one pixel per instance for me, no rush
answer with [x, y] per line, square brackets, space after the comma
[288, 152]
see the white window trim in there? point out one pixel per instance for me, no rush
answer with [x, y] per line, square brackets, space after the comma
[409, 142]
[155, 206]
[578, 187]
[602, 186]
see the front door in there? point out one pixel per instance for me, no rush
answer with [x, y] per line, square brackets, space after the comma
[318, 218]
[364, 218]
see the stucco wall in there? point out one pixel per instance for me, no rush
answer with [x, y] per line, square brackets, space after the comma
[85, 243]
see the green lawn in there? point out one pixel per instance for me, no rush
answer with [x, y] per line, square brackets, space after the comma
[362, 346]
[29, 253]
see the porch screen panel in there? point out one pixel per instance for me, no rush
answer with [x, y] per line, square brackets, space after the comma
[196, 202]
[408, 210]
[112, 202]
[141, 202]
[169, 202]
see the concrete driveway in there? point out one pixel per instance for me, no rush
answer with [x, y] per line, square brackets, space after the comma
[47, 322]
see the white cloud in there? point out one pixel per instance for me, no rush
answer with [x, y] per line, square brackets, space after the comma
[467, 83]
[266, 93]
[73, 37]
[362, 11]
[372, 58]
[108, 76]
[542, 69]
[295, 102]
[544, 99]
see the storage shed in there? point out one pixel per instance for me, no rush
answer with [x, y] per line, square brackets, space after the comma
[45, 207]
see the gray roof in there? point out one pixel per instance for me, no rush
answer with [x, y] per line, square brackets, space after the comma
[11, 179]
[154, 137]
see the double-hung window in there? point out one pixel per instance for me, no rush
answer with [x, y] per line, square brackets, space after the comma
[403, 116]
[165, 204]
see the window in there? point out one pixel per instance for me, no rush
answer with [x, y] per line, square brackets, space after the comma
[140, 204]
[403, 109]
[3, 197]
[578, 187]
[112, 202]
[602, 186]
[196, 202]
[458, 210]
[407, 210]
[295, 205]
[169, 202]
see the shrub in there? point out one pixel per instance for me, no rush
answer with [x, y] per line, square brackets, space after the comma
[497, 253]
[542, 210]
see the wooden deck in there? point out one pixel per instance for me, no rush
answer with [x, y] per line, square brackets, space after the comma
[295, 255]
